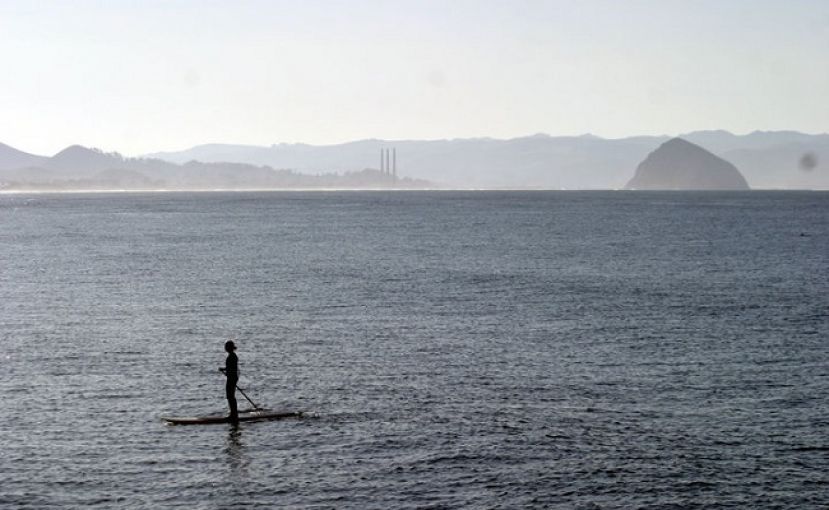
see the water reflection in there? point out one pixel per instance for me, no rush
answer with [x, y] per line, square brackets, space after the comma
[235, 451]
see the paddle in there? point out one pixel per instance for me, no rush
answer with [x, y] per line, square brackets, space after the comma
[255, 407]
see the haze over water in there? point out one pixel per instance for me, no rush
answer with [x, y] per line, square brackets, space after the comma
[453, 350]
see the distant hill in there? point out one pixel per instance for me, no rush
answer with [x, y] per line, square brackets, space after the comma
[721, 141]
[779, 159]
[538, 161]
[794, 165]
[11, 158]
[766, 159]
[79, 161]
[82, 168]
[681, 165]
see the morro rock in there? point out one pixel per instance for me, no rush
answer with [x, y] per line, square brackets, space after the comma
[681, 165]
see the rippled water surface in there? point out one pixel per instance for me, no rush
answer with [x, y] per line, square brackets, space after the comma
[453, 350]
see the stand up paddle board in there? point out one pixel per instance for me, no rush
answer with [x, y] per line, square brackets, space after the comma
[255, 415]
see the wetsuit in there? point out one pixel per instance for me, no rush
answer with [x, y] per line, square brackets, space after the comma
[232, 373]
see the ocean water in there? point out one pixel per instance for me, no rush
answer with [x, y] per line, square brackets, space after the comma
[573, 350]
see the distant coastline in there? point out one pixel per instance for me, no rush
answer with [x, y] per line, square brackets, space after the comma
[81, 191]
[767, 160]
[102, 191]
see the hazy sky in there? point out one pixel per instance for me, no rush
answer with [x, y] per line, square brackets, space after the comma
[143, 76]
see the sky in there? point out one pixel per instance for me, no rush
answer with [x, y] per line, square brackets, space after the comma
[145, 76]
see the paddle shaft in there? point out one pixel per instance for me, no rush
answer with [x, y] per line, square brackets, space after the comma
[246, 397]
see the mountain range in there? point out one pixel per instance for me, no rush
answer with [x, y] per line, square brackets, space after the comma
[767, 160]
[82, 168]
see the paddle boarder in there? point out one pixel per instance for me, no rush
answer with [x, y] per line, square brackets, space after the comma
[231, 370]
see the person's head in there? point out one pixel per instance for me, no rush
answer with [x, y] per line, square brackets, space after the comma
[230, 346]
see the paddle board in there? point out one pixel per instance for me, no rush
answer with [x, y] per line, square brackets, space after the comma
[258, 415]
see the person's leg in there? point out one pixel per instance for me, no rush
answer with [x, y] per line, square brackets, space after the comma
[230, 390]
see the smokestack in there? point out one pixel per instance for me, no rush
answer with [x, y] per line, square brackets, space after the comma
[381, 161]
[388, 167]
[394, 162]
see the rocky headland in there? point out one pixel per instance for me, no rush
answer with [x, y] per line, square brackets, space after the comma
[681, 165]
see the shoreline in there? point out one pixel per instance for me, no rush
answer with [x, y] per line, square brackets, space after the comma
[380, 190]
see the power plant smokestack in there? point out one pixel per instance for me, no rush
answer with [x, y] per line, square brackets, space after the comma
[388, 162]
[388, 167]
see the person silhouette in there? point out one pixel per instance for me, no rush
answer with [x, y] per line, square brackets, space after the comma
[231, 370]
